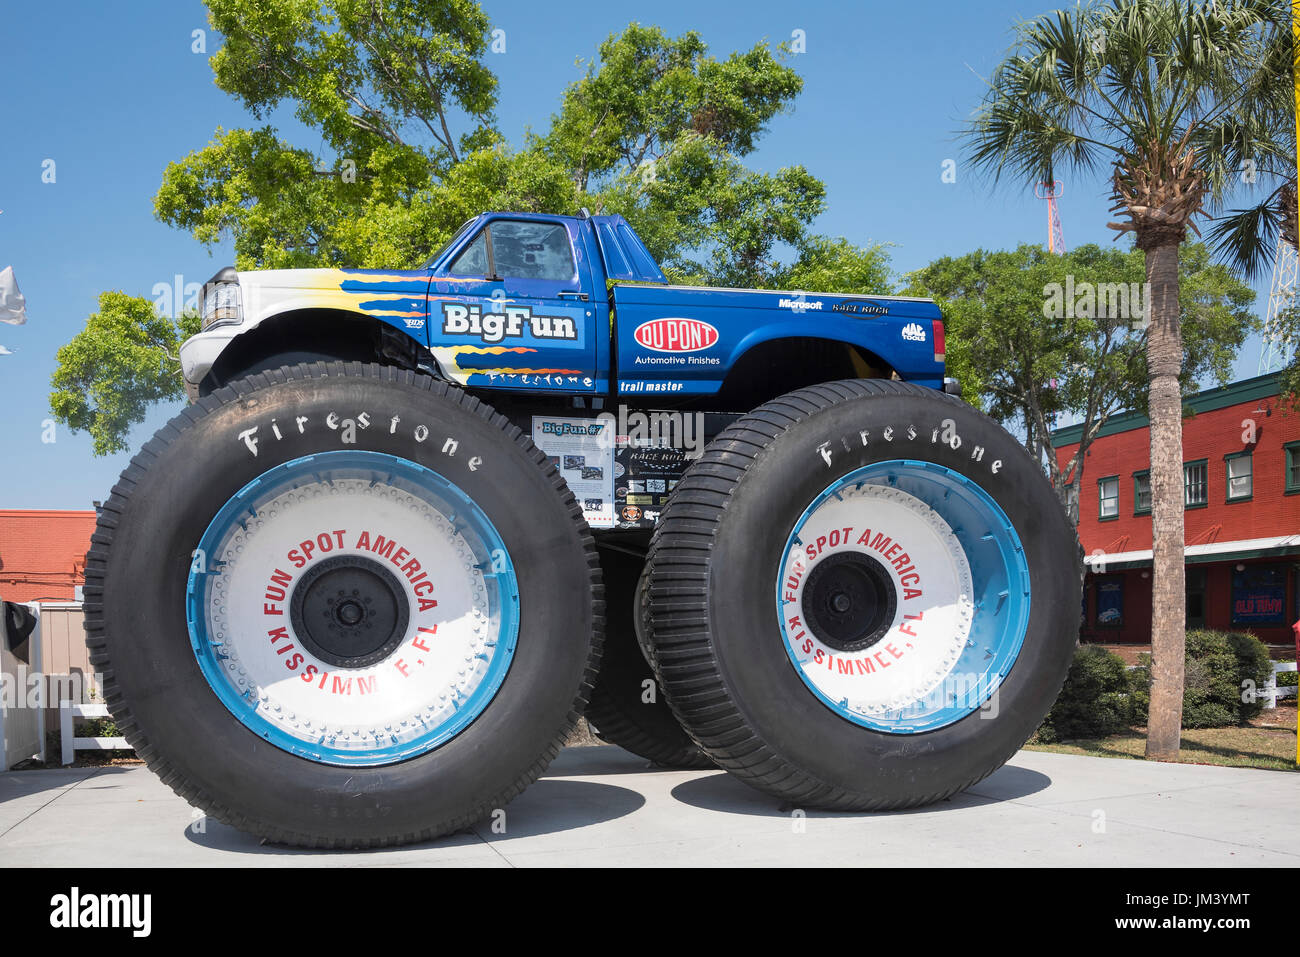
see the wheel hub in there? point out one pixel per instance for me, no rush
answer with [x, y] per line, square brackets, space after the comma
[349, 611]
[849, 601]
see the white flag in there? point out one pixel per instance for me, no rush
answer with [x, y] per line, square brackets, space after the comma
[13, 307]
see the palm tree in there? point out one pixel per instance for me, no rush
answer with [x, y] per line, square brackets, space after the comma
[1168, 98]
[1247, 238]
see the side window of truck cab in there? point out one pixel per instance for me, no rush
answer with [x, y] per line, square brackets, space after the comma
[473, 261]
[512, 251]
[533, 251]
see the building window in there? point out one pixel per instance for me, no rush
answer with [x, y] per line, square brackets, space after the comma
[1292, 468]
[1196, 484]
[1142, 492]
[1195, 597]
[1108, 498]
[1240, 470]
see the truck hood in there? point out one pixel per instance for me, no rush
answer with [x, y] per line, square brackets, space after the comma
[392, 295]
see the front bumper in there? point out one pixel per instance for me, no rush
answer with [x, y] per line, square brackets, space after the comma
[199, 353]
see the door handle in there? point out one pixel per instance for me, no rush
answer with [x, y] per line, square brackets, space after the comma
[570, 294]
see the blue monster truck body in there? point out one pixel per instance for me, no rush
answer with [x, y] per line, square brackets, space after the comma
[563, 317]
[567, 306]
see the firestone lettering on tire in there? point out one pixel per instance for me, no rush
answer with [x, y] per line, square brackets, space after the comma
[346, 430]
[945, 433]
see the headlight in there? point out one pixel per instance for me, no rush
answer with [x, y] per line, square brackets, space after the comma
[221, 304]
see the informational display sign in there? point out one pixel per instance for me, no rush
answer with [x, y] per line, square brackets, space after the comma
[644, 476]
[1110, 602]
[584, 454]
[1259, 595]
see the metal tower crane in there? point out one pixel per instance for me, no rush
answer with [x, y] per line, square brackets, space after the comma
[1051, 190]
[1281, 296]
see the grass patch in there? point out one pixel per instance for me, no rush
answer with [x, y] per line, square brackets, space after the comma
[1236, 747]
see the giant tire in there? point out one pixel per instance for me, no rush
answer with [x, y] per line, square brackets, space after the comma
[411, 751]
[621, 711]
[752, 552]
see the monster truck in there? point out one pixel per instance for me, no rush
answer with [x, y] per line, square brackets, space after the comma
[340, 600]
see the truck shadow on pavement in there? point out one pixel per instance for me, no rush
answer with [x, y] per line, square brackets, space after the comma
[563, 801]
[547, 807]
[721, 792]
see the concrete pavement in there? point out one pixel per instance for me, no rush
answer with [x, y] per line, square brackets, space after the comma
[604, 806]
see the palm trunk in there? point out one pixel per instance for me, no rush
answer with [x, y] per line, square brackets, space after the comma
[1168, 601]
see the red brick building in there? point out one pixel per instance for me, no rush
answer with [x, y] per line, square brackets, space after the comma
[1241, 495]
[43, 553]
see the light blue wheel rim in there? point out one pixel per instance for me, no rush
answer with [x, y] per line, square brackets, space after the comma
[1000, 579]
[468, 519]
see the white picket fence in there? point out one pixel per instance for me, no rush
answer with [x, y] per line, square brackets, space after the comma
[1271, 692]
[68, 713]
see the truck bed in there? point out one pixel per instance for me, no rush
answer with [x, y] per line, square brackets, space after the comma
[684, 339]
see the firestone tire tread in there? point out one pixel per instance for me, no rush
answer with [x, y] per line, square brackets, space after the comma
[616, 710]
[100, 642]
[681, 553]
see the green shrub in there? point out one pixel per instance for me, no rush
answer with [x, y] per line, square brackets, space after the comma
[97, 728]
[1287, 679]
[1095, 700]
[1254, 667]
[1222, 669]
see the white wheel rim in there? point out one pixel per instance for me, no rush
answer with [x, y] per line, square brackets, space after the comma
[957, 579]
[444, 665]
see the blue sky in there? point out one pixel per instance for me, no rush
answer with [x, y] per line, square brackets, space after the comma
[112, 93]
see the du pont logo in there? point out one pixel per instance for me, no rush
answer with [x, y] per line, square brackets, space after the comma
[675, 335]
[913, 332]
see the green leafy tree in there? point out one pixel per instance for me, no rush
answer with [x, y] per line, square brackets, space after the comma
[398, 93]
[647, 90]
[1250, 238]
[1034, 336]
[708, 221]
[1165, 95]
[657, 130]
[837, 265]
[123, 361]
[402, 106]
[1288, 331]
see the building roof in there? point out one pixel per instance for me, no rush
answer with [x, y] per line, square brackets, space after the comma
[43, 553]
[1234, 393]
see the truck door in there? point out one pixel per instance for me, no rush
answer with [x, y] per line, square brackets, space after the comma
[513, 309]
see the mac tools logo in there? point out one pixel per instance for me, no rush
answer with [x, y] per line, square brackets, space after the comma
[675, 335]
[913, 332]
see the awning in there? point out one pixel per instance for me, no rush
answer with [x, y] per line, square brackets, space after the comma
[1194, 554]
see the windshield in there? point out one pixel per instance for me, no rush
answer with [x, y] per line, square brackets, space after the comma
[449, 243]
